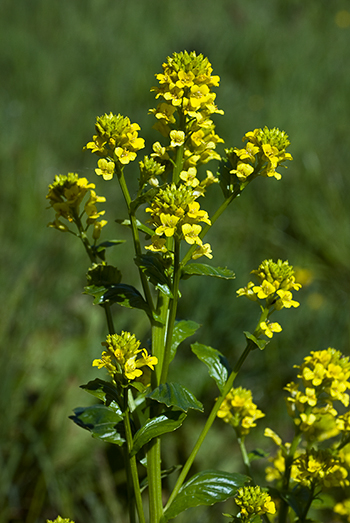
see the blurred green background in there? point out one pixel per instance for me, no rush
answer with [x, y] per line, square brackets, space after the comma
[282, 63]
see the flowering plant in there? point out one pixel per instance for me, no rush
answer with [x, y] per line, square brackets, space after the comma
[168, 226]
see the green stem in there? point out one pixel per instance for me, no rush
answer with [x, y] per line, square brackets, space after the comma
[93, 258]
[159, 330]
[131, 464]
[135, 235]
[250, 346]
[244, 456]
[283, 511]
[173, 310]
[154, 481]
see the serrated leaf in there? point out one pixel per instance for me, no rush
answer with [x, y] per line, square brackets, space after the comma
[175, 395]
[167, 422]
[205, 488]
[218, 366]
[183, 329]
[202, 269]
[153, 267]
[104, 391]
[261, 344]
[101, 421]
[141, 227]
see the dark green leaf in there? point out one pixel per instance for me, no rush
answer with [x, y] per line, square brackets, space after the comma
[183, 329]
[298, 499]
[218, 366]
[108, 243]
[205, 488]
[104, 391]
[261, 344]
[125, 295]
[257, 454]
[175, 395]
[202, 269]
[103, 275]
[155, 427]
[141, 227]
[101, 421]
[153, 266]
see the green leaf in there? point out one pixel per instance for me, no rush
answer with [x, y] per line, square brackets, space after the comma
[261, 344]
[218, 366]
[202, 269]
[141, 227]
[103, 275]
[257, 454]
[153, 266]
[100, 249]
[183, 329]
[205, 488]
[104, 391]
[167, 422]
[175, 395]
[101, 421]
[125, 295]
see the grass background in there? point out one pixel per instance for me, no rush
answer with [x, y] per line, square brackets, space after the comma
[282, 63]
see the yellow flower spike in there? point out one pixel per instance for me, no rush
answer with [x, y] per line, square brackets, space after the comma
[269, 328]
[252, 501]
[105, 169]
[191, 233]
[194, 213]
[122, 357]
[239, 410]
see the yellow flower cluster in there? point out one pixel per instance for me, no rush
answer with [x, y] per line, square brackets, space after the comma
[65, 196]
[343, 509]
[116, 141]
[325, 377]
[239, 410]
[123, 358]
[175, 212]
[252, 501]
[60, 520]
[186, 89]
[263, 153]
[320, 468]
[276, 282]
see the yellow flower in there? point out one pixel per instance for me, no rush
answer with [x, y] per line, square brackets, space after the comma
[252, 501]
[264, 290]
[105, 169]
[97, 229]
[189, 177]
[202, 250]
[191, 233]
[124, 156]
[275, 438]
[239, 410]
[177, 138]
[243, 171]
[168, 226]
[157, 245]
[269, 328]
[285, 300]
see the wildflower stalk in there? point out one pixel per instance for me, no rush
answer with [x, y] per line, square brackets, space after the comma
[172, 315]
[283, 512]
[245, 457]
[93, 258]
[130, 463]
[211, 418]
[135, 235]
